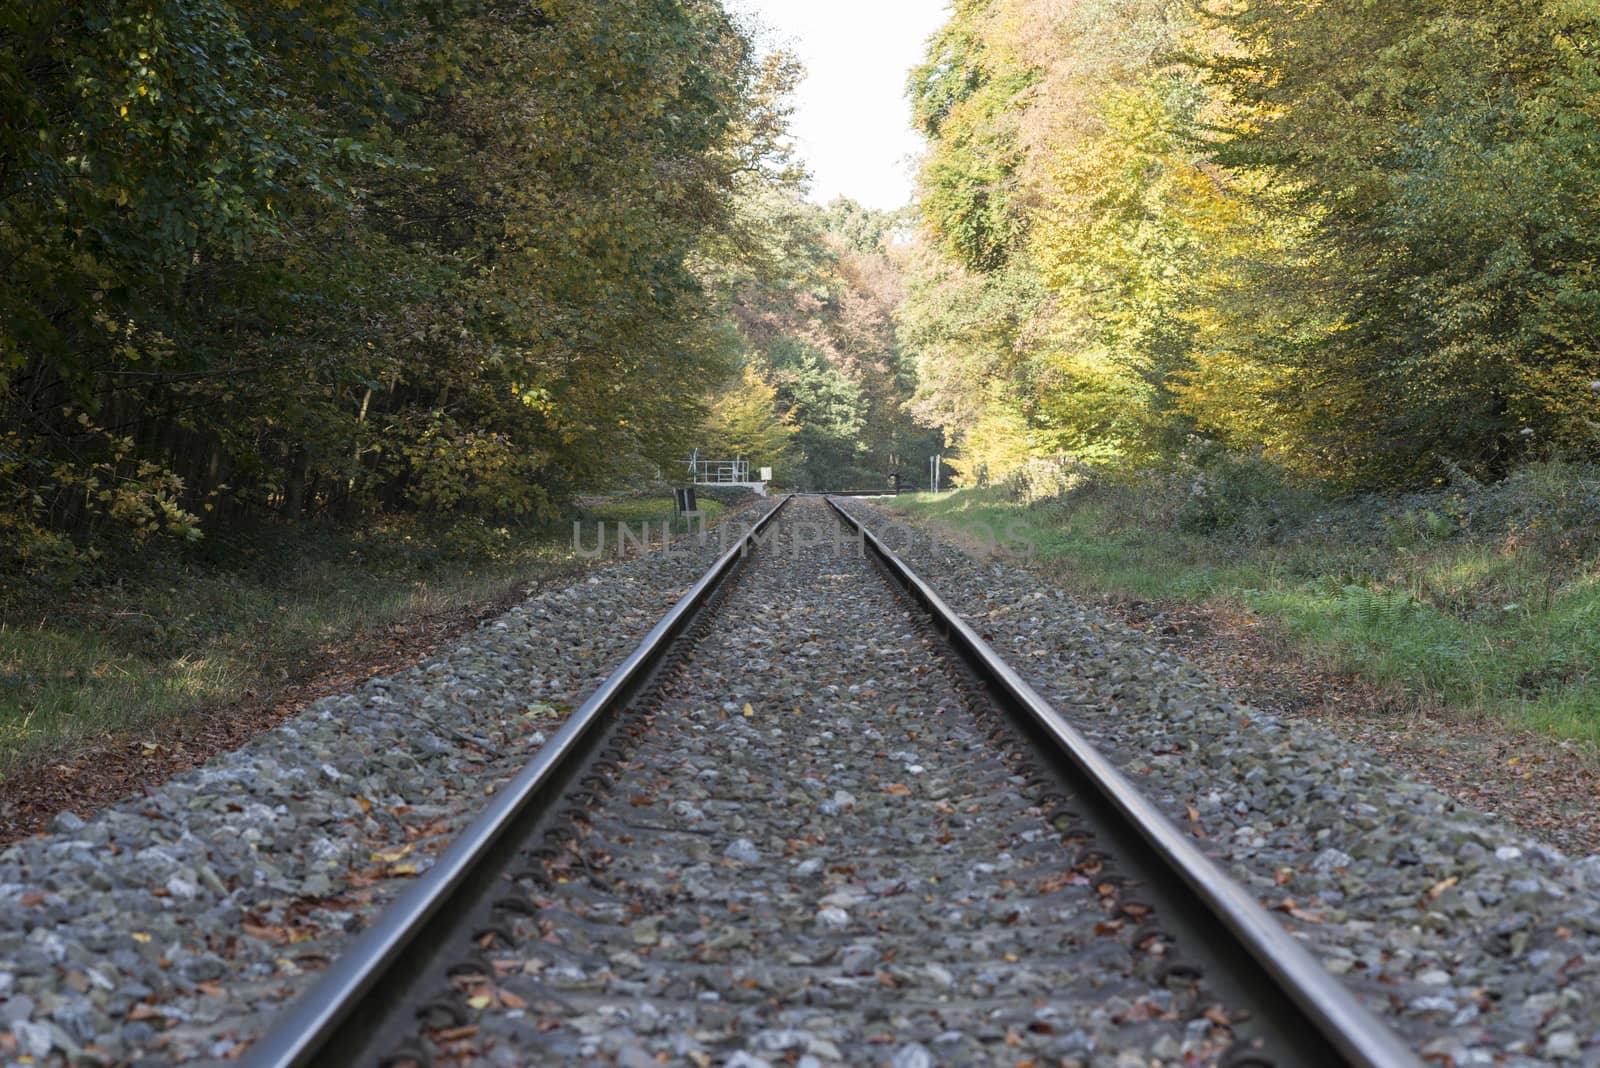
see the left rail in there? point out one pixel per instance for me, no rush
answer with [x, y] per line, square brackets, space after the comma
[336, 1021]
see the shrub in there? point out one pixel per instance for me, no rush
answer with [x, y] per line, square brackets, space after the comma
[1043, 480]
[1240, 494]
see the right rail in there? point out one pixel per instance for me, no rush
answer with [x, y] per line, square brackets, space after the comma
[1328, 1009]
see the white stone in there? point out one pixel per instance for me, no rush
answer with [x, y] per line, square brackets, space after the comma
[741, 1059]
[912, 1056]
[1331, 860]
[32, 1038]
[1586, 873]
[743, 850]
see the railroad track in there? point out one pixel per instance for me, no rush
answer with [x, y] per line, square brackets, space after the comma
[815, 819]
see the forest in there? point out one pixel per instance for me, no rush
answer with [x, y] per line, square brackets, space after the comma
[1358, 240]
[1281, 319]
[365, 296]
[277, 261]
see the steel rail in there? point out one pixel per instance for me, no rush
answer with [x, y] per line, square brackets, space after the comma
[1355, 1033]
[304, 1033]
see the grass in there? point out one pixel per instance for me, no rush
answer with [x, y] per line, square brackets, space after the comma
[243, 616]
[1480, 601]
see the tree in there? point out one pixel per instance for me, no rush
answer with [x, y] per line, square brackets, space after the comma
[1353, 235]
[813, 293]
[1438, 149]
[287, 259]
[747, 421]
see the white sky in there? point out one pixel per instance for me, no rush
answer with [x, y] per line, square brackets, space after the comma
[852, 124]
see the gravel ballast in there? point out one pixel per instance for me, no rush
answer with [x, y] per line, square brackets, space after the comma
[1479, 945]
[169, 926]
[869, 880]
[819, 853]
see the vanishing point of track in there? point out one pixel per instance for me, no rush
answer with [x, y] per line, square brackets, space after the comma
[1046, 887]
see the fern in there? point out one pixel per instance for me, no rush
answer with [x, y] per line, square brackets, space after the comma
[1364, 607]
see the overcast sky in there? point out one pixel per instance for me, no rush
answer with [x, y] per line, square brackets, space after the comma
[851, 123]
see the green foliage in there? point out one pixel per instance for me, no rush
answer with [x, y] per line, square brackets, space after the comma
[1490, 605]
[813, 293]
[969, 334]
[1042, 481]
[748, 420]
[1371, 609]
[1445, 177]
[1354, 237]
[862, 230]
[346, 258]
[1239, 495]
[458, 469]
[825, 404]
[1069, 341]
[964, 97]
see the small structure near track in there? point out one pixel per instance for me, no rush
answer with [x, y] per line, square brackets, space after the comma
[732, 473]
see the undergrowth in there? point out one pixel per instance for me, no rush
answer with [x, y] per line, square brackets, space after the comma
[241, 614]
[1474, 597]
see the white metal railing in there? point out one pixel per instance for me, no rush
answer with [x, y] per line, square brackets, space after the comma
[712, 472]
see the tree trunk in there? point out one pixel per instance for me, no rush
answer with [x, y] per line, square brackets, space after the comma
[294, 484]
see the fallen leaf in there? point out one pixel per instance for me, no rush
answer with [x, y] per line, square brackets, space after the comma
[265, 932]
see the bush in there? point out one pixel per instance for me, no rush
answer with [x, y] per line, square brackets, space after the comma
[1043, 480]
[1241, 495]
[59, 518]
[1555, 502]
